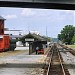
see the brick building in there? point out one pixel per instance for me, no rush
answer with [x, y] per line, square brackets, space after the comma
[2, 25]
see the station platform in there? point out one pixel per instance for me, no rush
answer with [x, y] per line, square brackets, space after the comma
[19, 62]
[22, 64]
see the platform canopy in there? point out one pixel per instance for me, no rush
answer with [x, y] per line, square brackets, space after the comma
[1, 18]
[34, 38]
[51, 4]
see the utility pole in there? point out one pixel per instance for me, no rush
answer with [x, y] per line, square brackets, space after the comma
[46, 30]
[28, 29]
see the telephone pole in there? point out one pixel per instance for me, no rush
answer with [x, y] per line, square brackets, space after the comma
[46, 30]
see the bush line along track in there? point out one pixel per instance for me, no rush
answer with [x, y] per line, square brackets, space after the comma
[55, 66]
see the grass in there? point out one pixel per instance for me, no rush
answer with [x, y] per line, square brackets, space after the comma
[71, 46]
[11, 53]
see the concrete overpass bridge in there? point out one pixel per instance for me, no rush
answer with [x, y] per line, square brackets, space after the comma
[49, 4]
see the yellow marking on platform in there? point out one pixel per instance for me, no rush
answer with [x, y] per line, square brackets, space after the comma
[42, 59]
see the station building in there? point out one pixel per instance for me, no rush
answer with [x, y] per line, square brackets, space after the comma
[34, 40]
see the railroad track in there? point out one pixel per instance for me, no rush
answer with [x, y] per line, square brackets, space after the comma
[56, 66]
[68, 49]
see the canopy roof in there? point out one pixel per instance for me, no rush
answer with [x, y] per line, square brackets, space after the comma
[1, 18]
[35, 36]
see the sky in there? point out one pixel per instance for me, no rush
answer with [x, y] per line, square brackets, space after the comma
[48, 22]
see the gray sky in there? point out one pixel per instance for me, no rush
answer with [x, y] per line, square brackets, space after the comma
[28, 19]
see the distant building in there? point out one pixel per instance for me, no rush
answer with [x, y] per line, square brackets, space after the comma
[19, 43]
[35, 32]
[55, 40]
[15, 36]
[2, 25]
[14, 41]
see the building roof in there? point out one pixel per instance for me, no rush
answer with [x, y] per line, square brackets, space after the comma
[35, 36]
[16, 36]
[1, 18]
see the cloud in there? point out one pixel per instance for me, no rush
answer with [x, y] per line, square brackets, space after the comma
[10, 16]
[64, 15]
[56, 17]
[27, 12]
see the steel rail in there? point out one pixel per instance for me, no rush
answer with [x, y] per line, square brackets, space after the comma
[49, 63]
[60, 63]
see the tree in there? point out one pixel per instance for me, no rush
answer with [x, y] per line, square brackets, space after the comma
[67, 34]
[73, 39]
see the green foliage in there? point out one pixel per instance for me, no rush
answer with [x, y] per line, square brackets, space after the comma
[67, 34]
[73, 39]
